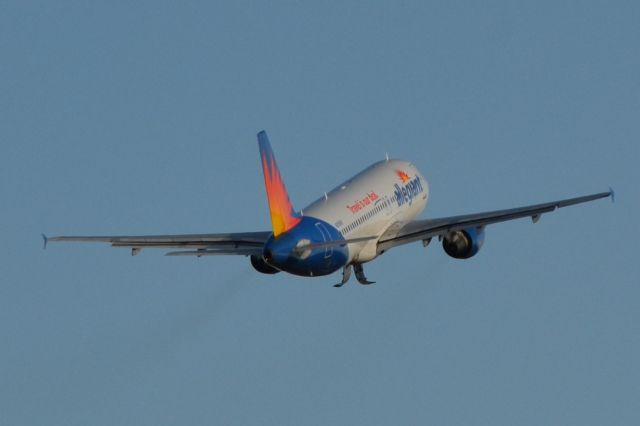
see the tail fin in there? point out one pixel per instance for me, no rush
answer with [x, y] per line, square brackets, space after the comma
[283, 217]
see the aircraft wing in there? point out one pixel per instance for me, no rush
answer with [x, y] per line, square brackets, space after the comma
[241, 243]
[428, 228]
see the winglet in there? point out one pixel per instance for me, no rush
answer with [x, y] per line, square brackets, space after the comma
[45, 240]
[283, 216]
[612, 194]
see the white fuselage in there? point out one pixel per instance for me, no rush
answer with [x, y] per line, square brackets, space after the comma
[379, 200]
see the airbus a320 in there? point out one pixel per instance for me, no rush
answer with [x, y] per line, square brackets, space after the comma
[362, 218]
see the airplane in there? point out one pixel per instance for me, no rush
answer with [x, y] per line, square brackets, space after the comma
[362, 218]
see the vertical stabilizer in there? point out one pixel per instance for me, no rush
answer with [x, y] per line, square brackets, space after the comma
[283, 217]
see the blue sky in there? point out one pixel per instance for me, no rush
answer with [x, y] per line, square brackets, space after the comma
[134, 119]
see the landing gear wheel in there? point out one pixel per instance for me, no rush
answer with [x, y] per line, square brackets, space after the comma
[360, 275]
[346, 274]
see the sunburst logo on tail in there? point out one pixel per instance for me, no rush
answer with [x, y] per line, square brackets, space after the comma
[403, 176]
[283, 216]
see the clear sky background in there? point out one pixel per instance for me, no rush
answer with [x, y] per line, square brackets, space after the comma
[141, 118]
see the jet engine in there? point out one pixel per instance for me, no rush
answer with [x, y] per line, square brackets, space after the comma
[463, 244]
[260, 265]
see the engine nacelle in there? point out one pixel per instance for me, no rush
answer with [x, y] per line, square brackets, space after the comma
[260, 265]
[463, 244]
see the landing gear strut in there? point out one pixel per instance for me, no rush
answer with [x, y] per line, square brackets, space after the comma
[360, 274]
[346, 274]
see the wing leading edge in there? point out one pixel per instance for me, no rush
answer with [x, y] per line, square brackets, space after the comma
[428, 228]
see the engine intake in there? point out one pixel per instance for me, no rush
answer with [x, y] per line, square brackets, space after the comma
[260, 265]
[463, 244]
